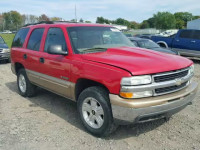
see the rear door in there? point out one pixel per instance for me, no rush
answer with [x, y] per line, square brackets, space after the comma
[185, 43]
[195, 42]
[33, 48]
[55, 69]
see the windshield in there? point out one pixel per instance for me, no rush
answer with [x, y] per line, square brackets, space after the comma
[147, 44]
[96, 39]
[1, 40]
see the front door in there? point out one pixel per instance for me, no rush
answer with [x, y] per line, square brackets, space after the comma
[55, 69]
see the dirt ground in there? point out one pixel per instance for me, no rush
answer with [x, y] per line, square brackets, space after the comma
[49, 122]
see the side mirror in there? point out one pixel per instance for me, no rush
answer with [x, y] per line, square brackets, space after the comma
[56, 50]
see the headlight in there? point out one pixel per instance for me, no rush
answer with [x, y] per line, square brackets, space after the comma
[6, 50]
[192, 69]
[136, 80]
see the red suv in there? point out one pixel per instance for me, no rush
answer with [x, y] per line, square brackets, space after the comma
[97, 66]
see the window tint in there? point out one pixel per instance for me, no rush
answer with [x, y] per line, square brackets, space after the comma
[196, 35]
[20, 37]
[186, 34]
[55, 36]
[35, 39]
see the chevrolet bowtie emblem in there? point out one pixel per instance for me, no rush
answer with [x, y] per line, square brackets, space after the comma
[179, 81]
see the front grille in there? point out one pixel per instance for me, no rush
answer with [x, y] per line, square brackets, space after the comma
[171, 76]
[170, 88]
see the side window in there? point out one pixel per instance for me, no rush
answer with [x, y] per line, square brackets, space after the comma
[35, 39]
[20, 37]
[186, 34]
[55, 36]
[196, 35]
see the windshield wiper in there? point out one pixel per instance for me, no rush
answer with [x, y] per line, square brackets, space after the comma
[95, 49]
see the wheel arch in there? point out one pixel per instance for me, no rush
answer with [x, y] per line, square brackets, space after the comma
[18, 66]
[84, 83]
[162, 43]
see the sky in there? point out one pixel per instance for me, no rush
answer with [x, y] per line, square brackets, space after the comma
[131, 10]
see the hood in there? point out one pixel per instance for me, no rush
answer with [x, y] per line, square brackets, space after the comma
[3, 46]
[164, 50]
[139, 61]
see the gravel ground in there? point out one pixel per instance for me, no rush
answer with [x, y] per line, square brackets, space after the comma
[48, 121]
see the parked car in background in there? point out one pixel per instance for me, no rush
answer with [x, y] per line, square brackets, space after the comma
[186, 42]
[98, 67]
[145, 36]
[4, 50]
[149, 44]
[6, 32]
[128, 35]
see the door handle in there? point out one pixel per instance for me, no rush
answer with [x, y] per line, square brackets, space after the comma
[193, 41]
[25, 56]
[42, 60]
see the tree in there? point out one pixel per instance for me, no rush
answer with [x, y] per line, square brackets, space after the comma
[183, 17]
[13, 20]
[56, 19]
[144, 24]
[100, 20]
[1, 22]
[88, 21]
[164, 20]
[180, 24]
[81, 20]
[43, 17]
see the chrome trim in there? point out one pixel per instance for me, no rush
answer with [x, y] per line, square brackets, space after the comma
[156, 85]
[153, 86]
[170, 72]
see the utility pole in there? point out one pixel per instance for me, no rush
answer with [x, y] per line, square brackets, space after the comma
[75, 14]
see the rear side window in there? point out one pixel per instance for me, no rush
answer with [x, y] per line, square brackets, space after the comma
[35, 39]
[196, 35]
[20, 37]
[55, 36]
[186, 34]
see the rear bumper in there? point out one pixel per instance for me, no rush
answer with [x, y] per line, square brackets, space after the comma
[126, 111]
[4, 56]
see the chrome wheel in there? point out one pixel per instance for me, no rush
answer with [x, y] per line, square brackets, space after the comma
[93, 112]
[22, 83]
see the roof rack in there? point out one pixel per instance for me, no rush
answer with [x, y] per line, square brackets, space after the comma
[48, 22]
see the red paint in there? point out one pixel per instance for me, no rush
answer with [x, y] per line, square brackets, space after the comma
[106, 68]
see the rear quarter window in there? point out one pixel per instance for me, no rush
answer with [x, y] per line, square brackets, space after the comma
[187, 34]
[196, 34]
[20, 37]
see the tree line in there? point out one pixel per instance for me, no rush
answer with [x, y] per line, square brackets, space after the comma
[161, 20]
[13, 20]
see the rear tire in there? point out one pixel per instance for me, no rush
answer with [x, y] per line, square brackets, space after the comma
[25, 87]
[95, 111]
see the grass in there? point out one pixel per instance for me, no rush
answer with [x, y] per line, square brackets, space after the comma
[8, 38]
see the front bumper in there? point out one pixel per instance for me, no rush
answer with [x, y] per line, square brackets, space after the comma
[4, 56]
[126, 111]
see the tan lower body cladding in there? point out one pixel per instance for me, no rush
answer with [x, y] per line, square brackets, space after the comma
[55, 85]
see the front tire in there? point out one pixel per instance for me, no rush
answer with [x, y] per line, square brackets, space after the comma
[95, 111]
[25, 87]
